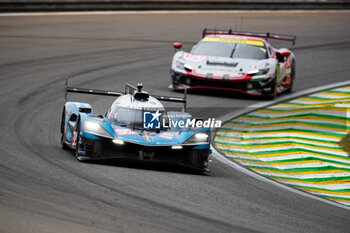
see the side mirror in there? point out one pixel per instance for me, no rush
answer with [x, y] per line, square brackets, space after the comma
[285, 53]
[177, 45]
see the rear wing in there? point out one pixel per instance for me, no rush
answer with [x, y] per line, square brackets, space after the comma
[129, 89]
[93, 91]
[267, 35]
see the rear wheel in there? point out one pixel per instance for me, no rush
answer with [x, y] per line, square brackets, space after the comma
[63, 144]
[63, 119]
[292, 76]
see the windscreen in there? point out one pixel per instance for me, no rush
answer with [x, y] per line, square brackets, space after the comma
[217, 49]
[232, 50]
[249, 52]
[129, 117]
[126, 116]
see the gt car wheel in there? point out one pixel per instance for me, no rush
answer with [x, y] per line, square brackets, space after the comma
[292, 76]
[273, 92]
[63, 144]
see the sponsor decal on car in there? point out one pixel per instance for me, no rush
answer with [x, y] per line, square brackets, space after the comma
[121, 132]
[74, 139]
[194, 57]
[236, 41]
[167, 136]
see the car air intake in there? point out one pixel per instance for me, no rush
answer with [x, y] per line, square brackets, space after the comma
[85, 110]
[222, 63]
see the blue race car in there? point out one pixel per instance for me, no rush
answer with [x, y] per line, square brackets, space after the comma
[136, 127]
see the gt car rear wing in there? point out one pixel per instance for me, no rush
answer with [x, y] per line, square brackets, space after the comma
[129, 89]
[267, 35]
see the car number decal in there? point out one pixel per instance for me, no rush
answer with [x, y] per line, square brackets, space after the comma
[74, 139]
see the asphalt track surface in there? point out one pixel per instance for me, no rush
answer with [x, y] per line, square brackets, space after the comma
[44, 189]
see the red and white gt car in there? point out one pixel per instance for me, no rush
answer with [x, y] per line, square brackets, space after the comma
[235, 61]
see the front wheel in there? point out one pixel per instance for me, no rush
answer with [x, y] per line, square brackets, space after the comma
[78, 144]
[77, 140]
[273, 90]
[63, 144]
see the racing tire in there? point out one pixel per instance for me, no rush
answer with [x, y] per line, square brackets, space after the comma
[63, 120]
[76, 151]
[171, 87]
[290, 89]
[63, 144]
[273, 93]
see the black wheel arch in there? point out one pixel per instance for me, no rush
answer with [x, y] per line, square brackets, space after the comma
[63, 119]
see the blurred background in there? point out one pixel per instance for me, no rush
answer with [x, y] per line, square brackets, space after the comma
[96, 5]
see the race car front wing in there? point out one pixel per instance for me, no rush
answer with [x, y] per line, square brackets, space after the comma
[194, 156]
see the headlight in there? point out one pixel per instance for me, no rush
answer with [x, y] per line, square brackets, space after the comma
[188, 67]
[198, 138]
[96, 129]
[258, 71]
[263, 71]
[118, 141]
[176, 147]
[180, 65]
